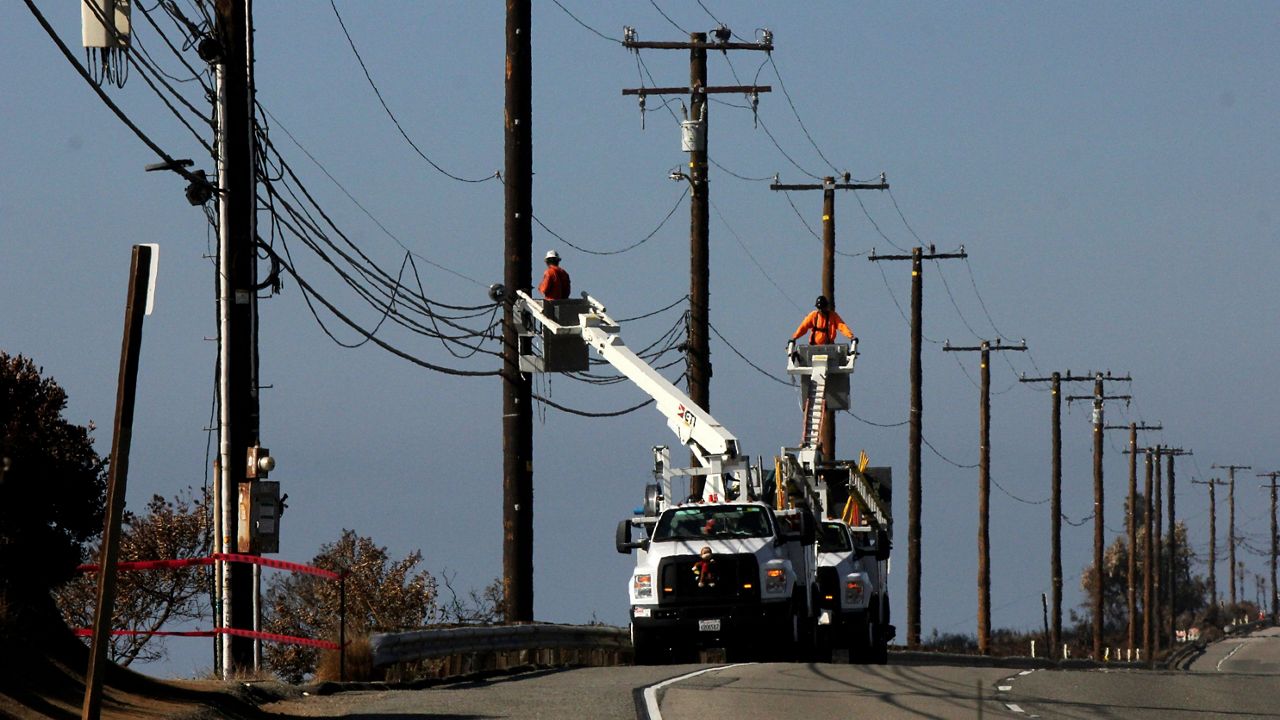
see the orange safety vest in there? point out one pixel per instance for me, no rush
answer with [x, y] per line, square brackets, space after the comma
[555, 283]
[822, 328]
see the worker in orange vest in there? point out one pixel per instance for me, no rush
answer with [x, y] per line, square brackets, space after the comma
[555, 281]
[822, 325]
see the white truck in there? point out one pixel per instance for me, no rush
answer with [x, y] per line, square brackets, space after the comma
[734, 566]
[856, 538]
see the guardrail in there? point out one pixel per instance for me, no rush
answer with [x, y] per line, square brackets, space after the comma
[414, 645]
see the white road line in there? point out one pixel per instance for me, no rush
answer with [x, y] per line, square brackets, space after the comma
[1026, 672]
[651, 692]
[1014, 708]
[1228, 657]
[1004, 688]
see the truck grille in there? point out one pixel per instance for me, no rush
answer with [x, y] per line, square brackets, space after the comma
[737, 577]
[828, 584]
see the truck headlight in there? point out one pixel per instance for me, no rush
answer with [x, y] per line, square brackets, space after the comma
[775, 580]
[853, 590]
[642, 586]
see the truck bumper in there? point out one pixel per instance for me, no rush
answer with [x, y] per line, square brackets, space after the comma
[710, 625]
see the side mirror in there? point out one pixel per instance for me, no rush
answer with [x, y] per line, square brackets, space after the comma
[808, 530]
[623, 542]
[883, 546]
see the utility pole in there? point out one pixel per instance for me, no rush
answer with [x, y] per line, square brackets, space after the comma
[1172, 562]
[1055, 498]
[1213, 536]
[699, 349]
[916, 419]
[1275, 540]
[1157, 560]
[1148, 579]
[238, 313]
[984, 486]
[118, 475]
[827, 433]
[1231, 526]
[517, 408]
[1131, 527]
[1099, 398]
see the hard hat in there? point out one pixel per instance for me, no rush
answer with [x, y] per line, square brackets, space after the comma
[821, 303]
[552, 255]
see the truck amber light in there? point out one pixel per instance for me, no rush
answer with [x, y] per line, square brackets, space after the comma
[830, 597]
[746, 586]
[854, 585]
[776, 572]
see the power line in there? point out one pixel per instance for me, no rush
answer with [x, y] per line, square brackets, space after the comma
[583, 24]
[392, 115]
[741, 244]
[632, 246]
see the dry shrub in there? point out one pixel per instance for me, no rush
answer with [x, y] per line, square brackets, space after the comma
[359, 662]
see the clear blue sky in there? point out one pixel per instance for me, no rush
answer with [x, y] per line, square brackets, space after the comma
[1110, 168]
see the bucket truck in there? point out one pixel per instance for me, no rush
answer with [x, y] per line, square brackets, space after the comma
[720, 569]
[855, 540]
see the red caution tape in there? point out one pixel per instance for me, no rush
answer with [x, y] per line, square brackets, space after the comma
[273, 637]
[88, 632]
[277, 564]
[226, 557]
[151, 564]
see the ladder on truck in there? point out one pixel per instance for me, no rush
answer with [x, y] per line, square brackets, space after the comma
[824, 372]
[815, 401]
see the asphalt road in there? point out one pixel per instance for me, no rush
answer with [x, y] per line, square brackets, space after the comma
[1237, 678]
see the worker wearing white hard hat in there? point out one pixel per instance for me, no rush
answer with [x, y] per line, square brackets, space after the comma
[555, 281]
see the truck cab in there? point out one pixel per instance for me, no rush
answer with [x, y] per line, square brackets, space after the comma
[853, 598]
[736, 575]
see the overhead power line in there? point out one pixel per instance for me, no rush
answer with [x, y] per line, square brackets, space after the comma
[392, 115]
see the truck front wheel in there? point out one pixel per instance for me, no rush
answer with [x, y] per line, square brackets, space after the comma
[645, 648]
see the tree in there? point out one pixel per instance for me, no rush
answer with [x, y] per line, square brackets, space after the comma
[149, 600]
[380, 596]
[52, 490]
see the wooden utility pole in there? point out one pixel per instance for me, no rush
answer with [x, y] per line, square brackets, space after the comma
[1172, 562]
[827, 433]
[121, 442]
[1275, 541]
[984, 486]
[517, 408]
[1157, 560]
[915, 429]
[1148, 571]
[699, 349]
[238, 313]
[1213, 537]
[1131, 528]
[1055, 499]
[1099, 398]
[1231, 525]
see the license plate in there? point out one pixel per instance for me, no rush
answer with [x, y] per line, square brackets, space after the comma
[709, 625]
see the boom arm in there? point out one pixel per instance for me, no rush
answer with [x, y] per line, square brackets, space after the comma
[715, 448]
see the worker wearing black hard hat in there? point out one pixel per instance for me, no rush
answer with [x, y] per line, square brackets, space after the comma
[822, 325]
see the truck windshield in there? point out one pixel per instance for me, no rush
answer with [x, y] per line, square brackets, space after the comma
[713, 521]
[833, 539]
